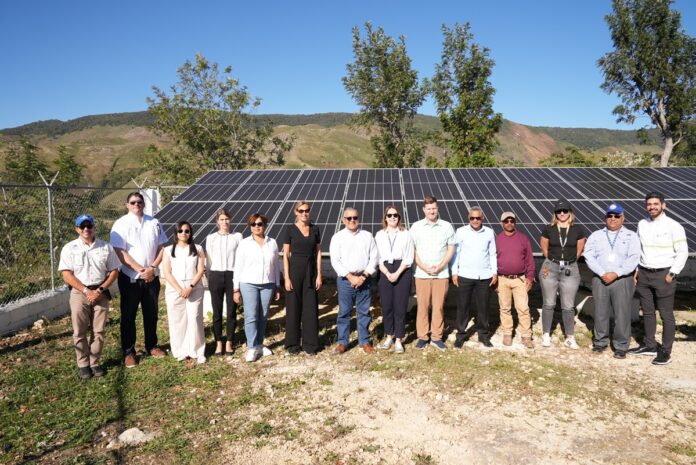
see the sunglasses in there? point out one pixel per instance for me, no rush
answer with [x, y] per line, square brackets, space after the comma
[258, 224]
[509, 220]
[350, 218]
[393, 215]
[86, 226]
[303, 210]
[136, 202]
[474, 218]
[613, 215]
[183, 231]
[565, 211]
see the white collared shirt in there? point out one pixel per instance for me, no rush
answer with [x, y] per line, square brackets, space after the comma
[662, 244]
[353, 252]
[255, 264]
[394, 245]
[140, 239]
[89, 263]
[476, 255]
[220, 251]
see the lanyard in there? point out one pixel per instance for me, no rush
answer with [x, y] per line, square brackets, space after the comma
[392, 242]
[612, 243]
[562, 241]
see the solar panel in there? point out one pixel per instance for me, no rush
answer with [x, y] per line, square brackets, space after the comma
[529, 192]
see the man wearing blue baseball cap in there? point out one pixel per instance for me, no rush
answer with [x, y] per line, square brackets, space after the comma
[612, 254]
[89, 266]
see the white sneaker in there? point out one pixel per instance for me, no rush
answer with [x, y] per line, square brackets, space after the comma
[571, 344]
[200, 360]
[387, 343]
[265, 351]
[251, 355]
[398, 347]
[546, 340]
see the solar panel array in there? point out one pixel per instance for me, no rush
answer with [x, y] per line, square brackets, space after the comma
[528, 192]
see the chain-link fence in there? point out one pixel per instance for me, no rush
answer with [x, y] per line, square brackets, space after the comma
[37, 221]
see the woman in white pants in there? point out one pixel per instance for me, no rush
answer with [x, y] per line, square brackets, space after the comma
[184, 264]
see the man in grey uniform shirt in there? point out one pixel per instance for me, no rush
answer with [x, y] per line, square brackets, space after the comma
[612, 254]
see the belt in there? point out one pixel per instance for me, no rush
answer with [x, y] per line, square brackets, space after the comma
[512, 276]
[652, 270]
[93, 287]
[568, 262]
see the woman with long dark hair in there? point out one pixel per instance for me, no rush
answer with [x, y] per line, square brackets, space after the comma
[302, 265]
[221, 247]
[184, 264]
[395, 250]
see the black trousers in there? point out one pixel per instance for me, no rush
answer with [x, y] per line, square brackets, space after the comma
[133, 294]
[302, 306]
[221, 286]
[394, 298]
[656, 293]
[479, 291]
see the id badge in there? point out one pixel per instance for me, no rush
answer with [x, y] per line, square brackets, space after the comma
[611, 258]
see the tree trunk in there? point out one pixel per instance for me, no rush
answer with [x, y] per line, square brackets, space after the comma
[667, 152]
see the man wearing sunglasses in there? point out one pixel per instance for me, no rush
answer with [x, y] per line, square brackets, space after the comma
[474, 272]
[138, 240]
[89, 266]
[612, 254]
[515, 279]
[663, 254]
[354, 258]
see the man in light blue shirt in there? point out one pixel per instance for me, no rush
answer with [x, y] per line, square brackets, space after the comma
[612, 254]
[474, 272]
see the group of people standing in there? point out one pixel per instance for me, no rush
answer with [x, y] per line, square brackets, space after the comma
[474, 259]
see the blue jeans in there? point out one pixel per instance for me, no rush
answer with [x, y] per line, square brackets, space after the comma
[256, 299]
[347, 296]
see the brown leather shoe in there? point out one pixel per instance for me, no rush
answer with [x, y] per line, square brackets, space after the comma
[527, 342]
[157, 353]
[507, 339]
[130, 361]
[341, 348]
[367, 348]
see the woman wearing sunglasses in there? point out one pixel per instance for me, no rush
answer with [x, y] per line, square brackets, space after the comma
[184, 264]
[256, 282]
[302, 264]
[561, 243]
[395, 251]
[221, 247]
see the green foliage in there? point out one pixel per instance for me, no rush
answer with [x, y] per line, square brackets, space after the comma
[386, 87]
[70, 170]
[571, 157]
[464, 97]
[207, 115]
[652, 68]
[685, 152]
[22, 163]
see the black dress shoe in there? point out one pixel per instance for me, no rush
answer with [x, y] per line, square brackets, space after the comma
[620, 354]
[84, 373]
[486, 343]
[458, 343]
[97, 371]
[598, 349]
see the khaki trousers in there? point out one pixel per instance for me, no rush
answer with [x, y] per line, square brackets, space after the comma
[85, 316]
[509, 290]
[431, 293]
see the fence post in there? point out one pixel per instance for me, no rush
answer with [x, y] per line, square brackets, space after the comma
[50, 226]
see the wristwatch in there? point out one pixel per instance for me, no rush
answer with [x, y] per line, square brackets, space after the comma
[101, 289]
[365, 275]
[192, 286]
[673, 275]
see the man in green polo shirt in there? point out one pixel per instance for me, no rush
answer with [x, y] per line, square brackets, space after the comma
[434, 242]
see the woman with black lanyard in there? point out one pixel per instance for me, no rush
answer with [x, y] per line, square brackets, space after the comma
[561, 243]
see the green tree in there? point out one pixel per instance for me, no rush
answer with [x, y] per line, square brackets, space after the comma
[652, 68]
[70, 170]
[386, 87]
[572, 156]
[464, 98]
[22, 163]
[207, 115]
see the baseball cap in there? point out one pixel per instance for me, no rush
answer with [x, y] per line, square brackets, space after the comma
[507, 215]
[561, 204]
[82, 218]
[615, 208]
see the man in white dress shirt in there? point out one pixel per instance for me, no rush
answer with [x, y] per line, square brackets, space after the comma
[138, 240]
[89, 266]
[354, 258]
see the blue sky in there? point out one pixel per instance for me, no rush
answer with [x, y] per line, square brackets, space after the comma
[69, 59]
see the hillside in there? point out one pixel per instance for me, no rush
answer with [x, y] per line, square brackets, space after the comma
[112, 145]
